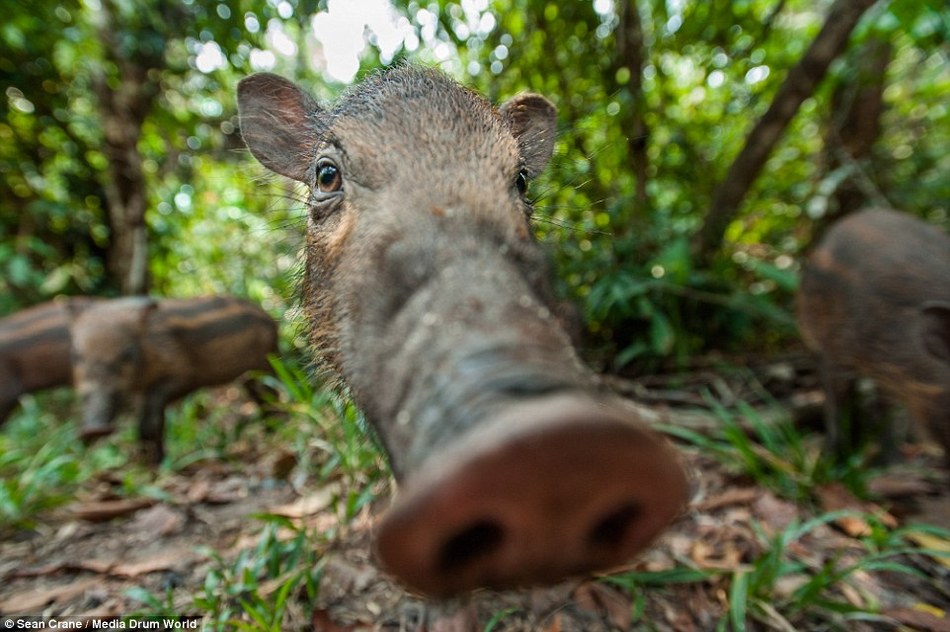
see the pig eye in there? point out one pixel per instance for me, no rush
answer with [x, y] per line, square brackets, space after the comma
[521, 182]
[329, 179]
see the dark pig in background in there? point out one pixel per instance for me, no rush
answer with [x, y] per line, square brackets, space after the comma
[144, 353]
[875, 301]
[428, 295]
[34, 352]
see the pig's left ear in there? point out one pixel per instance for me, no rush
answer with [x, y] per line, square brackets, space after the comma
[280, 124]
[936, 329]
[532, 120]
[73, 305]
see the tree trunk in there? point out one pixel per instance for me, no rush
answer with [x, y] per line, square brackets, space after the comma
[631, 55]
[123, 109]
[800, 83]
[857, 105]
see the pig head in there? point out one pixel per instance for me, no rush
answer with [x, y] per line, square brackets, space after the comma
[142, 353]
[427, 293]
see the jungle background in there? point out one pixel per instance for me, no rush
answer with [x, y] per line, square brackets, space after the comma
[703, 147]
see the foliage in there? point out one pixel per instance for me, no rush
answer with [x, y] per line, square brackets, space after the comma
[34, 480]
[54, 229]
[772, 452]
[624, 257]
[40, 464]
[233, 596]
[339, 438]
[707, 75]
[783, 590]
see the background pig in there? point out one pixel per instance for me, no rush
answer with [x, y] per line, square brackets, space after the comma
[428, 295]
[145, 352]
[34, 352]
[875, 300]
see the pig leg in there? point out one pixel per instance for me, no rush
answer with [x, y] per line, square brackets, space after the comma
[267, 399]
[840, 410]
[152, 426]
[261, 393]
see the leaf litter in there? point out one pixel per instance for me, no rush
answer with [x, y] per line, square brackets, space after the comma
[91, 557]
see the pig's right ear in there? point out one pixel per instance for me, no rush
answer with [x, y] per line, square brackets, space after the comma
[280, 124]
[532, 120]
[936, 329]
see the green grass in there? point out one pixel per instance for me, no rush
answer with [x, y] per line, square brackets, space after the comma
[755, 595]
[331, 444]
[252, 592]
[773, 453]
[41, 465]
[272, 583]
[341, 445]
[777, 456]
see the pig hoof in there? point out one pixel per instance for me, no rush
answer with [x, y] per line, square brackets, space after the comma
[548, 490]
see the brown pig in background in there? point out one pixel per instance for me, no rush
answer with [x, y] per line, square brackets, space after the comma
[143, 352]
[875, 301]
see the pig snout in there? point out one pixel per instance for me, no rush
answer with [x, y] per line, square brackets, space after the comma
[100, 408]
[514, 472]
[547, 488]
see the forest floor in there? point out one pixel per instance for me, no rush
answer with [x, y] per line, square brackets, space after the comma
[741, 554]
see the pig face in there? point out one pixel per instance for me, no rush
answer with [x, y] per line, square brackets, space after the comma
[402, 173]
[107, 359]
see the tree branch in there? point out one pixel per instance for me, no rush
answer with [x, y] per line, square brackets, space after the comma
[800, 83]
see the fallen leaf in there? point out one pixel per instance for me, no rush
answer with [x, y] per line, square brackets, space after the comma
[111, 609]
[735, 496]
[460, 620]
[322, 622]
[229, 490]
[265, 588]
[308, 505]
[198, 491]
[724, 555]
[158, 521]
[162, 562]
[603, 600]
[836, 497]
[555, 625]
[36, 599]
[96, 566]
[919, 620]
[547, 599]
[349, 577]
[775, 512]
[103, 510]
[933, 543]
[899, 486]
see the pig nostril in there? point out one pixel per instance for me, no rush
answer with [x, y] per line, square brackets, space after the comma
[612, 528]
[477, 540]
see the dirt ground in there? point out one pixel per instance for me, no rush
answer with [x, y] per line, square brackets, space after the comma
[85, 557]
